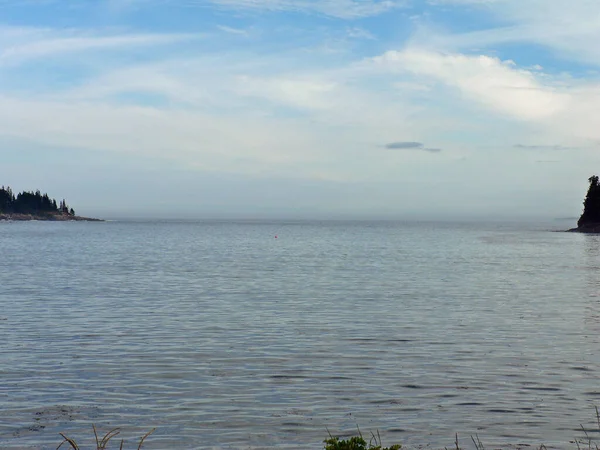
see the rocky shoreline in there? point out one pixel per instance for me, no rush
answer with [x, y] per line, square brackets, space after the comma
[47, 217]
[589, 228]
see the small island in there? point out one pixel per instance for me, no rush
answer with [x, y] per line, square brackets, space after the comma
[35, 206]
[589, 222]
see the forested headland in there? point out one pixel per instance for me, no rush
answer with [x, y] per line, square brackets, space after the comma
[589, 222]
[28, 205]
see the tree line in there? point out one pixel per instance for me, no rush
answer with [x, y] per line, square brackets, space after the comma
[31, 203]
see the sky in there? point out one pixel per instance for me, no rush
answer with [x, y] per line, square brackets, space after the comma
[374, 109]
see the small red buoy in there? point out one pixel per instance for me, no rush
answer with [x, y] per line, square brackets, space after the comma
[275, 236]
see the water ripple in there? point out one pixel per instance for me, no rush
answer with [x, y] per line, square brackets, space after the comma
[222, 337]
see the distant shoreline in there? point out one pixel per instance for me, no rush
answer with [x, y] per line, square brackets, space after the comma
[49, 217]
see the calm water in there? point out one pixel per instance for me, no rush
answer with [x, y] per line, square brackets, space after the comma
[222, 336]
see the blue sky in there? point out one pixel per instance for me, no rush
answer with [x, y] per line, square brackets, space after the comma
[297, 108]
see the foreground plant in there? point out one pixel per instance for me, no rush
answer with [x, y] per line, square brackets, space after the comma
[102, 443]
[357, 443]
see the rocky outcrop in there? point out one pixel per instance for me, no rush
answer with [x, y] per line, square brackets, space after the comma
[587, 228]
[48, 217]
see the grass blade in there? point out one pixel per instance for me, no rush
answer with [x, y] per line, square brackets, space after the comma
[145, 436]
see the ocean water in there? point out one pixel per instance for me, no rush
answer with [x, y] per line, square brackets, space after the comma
[222, 336]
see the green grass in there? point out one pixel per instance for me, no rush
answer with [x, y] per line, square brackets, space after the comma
[357, 443]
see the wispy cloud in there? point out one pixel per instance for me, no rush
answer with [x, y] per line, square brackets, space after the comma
[344, 9]
[571, 31]
[543, 147]
[303, 93]
[232, 30]
[410, 145]
[28, 44]
[403, 145]
[359, 33]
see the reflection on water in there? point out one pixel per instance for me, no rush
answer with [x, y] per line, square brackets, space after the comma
[221, 336]
[591, 267]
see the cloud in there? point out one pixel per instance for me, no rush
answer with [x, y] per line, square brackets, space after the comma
[232, 30]
[494, 83]
[543, 147]
[190, 137]
[571, 32]
[343, 9]
[26, 44]
[411, 145]
[562, 108]
[404, 145]
[303, 93]
[359, 33]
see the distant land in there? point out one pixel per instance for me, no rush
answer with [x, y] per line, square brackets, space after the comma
[589, 222]
[35, 206]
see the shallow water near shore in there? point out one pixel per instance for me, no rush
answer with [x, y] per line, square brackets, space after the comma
[223, 336]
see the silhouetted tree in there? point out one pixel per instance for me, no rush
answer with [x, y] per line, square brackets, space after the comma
[6, 199]
[63, 207]
[591, 204]
[30, 203]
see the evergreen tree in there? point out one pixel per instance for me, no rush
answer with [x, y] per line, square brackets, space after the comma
[30, 203]
[7, 200]
[591, 204]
